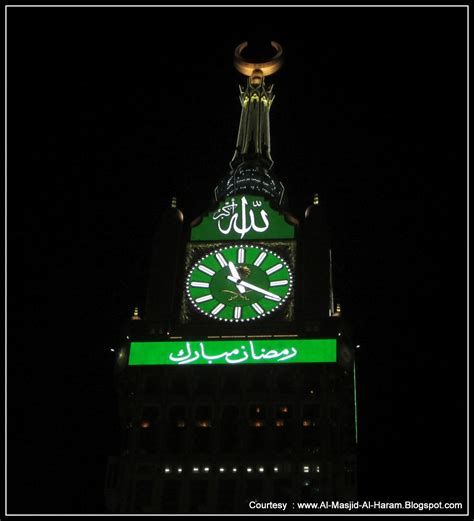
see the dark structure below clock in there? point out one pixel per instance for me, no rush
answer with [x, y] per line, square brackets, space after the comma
[246, 284]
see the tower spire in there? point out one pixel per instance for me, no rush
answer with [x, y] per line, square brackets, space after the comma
[251, 165]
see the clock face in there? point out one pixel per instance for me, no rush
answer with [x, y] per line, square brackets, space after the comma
[239, 283]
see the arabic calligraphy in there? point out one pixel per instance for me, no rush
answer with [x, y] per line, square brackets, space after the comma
[234, 356]
[241, 220]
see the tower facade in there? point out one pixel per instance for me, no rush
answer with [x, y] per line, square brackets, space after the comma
[237, 387]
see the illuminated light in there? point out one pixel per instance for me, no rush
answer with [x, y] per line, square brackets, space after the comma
[113, 350]
[317, 468]
[305, 468]
[357, 346]
[257, 423]
[221, 469]
[249, 469]
[176, 337]
[261, 469]
[234, 469]
[145, 424]
[180, 470]
[204, 424]
[284, 409]
[275, 469]
[121, 354]
[316, 199]
[306, 483]
[181, 424]
[338, 308]
[339, 334]
[257, 410]
[306, 423]
[167, 470]
[135, 315]
[311, 392]
[206, 469]
[280, 423]
[127, 337]
[195, 469]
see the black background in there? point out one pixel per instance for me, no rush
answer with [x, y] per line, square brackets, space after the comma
[112, 111]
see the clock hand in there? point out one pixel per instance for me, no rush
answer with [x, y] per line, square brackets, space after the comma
[235, 275]
[233, 270]
[272, 296]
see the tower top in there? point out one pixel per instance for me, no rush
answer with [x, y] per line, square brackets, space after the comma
[257, 71]
[251, 167]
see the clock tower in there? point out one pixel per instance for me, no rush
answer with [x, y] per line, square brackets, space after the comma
[237, 387]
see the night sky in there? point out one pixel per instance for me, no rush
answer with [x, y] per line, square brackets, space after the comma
[112, 111]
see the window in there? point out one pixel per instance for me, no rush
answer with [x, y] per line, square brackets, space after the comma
[198, 496]
[143, 495]
[257, 380]
[256, 412]
[285, 382]
[226, 495]
[232, 383]
[204, 385]
[179, 385]
[148, 429]
[153, 383]
[176, 429]
[170, 495]
[230, 429]
[202, 434]
[253, 489]
[282, 490]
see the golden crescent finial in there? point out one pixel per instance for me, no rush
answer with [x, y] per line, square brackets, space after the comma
[266, 68]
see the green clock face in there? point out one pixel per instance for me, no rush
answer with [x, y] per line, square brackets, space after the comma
[239, 283]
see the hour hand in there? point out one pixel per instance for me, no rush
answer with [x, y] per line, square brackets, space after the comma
[235, 277]
[233, 270]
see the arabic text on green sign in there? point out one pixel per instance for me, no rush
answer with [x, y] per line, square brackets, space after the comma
[243, 217]
[233, 352]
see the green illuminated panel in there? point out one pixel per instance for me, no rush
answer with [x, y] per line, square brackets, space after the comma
[231, 352]
[243, 217]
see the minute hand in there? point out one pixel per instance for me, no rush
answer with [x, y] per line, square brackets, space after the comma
[271, 296]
